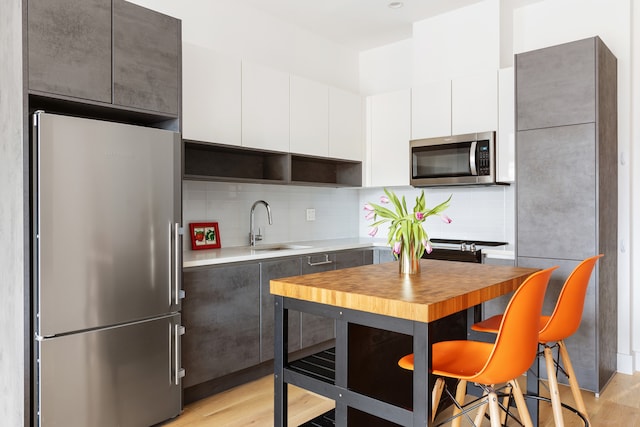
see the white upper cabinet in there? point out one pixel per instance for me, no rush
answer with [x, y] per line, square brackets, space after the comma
[506, 146]
[431, 110]
[211, 89]
[309, 117]
[345, 125]
[265, 108]
[389, 134]
[474, 103]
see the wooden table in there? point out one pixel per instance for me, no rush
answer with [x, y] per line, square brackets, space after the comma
[378, 296]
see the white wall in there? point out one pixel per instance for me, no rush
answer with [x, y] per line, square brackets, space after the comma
[246, 33]
[553, 22]
[386, 68]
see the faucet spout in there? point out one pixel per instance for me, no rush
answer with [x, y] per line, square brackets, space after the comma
[253, 237]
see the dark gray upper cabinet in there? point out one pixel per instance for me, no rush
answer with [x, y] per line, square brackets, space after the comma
[109, 52]
[556, 86]
[146, 58]
[70, 48]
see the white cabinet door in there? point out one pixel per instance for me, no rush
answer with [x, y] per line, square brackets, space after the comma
[431, 110]
[505, 144]
[474, 103]
[265, 108]
[390, 122]
[211, 89]
[309, 117]
[345, 125]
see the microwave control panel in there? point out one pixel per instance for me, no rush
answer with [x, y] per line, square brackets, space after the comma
[483, 161]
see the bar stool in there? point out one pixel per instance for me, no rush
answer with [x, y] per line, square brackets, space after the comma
[504, 361]
[563, 322]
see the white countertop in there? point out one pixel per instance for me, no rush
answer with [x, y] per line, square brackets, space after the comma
[198, 258]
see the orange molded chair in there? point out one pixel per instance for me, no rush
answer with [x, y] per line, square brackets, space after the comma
[505, 360]
[563, 322]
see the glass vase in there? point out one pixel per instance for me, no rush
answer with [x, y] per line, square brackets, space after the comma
[409, 262]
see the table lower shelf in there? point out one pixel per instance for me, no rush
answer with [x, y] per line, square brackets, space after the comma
[320, 366]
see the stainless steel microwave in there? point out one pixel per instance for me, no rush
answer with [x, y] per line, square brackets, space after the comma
[453, 160]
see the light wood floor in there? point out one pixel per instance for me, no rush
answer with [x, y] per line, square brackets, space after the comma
[252, 405]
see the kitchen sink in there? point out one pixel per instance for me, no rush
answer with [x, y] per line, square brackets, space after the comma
[278, 247]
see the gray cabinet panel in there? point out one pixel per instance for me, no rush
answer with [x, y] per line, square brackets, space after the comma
[146, 57]
[275, 270]
[582, 345]
[70, 48]
[556, 85]
[316, 329]
[221, 315]
[556, 199]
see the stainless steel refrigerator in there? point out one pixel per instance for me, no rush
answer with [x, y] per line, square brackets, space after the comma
[107, 273]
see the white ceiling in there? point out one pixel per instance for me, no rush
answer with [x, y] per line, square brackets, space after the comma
[360, 24]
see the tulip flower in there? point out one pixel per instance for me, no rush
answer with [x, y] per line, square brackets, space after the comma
[446, 219]
[373, 231]
[419, 216]
[428, 248]
[397, 247]
[384, 199]
[368, 207]
[370, 215]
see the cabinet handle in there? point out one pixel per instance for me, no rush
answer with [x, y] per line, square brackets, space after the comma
[176, 263]
[326, 261]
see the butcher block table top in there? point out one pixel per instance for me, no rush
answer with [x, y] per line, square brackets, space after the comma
[442, 288]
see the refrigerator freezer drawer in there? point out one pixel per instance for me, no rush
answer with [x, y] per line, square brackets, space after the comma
[122, 376]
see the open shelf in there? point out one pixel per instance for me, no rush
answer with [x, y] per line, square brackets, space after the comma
[211, 162]
[215, 162]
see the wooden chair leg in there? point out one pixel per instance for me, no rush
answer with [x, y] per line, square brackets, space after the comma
[436, 394]
[494, 409]
[553, 388]
[482, 410]
[461, 392]
[573, 381]
[505, 403]
[525, 417]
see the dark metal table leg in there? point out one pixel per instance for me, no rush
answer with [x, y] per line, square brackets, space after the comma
[280, 361]
[421, 381]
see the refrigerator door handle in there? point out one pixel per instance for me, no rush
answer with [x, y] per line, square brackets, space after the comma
[177, 371]
[176, 293]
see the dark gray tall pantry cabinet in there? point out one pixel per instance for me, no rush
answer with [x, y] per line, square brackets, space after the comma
[567, 186]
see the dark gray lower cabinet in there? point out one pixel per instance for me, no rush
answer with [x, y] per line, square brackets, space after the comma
[221, 316]
[228, 314]
[276, 270]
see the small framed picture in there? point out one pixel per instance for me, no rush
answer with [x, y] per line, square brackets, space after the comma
[204, 235]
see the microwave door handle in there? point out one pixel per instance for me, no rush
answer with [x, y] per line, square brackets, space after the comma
[472, 158]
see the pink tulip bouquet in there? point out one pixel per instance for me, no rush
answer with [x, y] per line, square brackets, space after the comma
[406, 233]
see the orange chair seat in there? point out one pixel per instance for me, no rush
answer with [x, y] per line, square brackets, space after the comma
[492, 325]
[457, 359]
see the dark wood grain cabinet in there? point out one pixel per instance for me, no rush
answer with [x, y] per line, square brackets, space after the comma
[567, 186]
[107, 52]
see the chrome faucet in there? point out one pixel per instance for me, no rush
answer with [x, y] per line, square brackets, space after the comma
[252, 236]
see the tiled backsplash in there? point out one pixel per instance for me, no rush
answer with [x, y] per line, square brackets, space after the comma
[481, 213]
[336, 211]
[478, 213]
